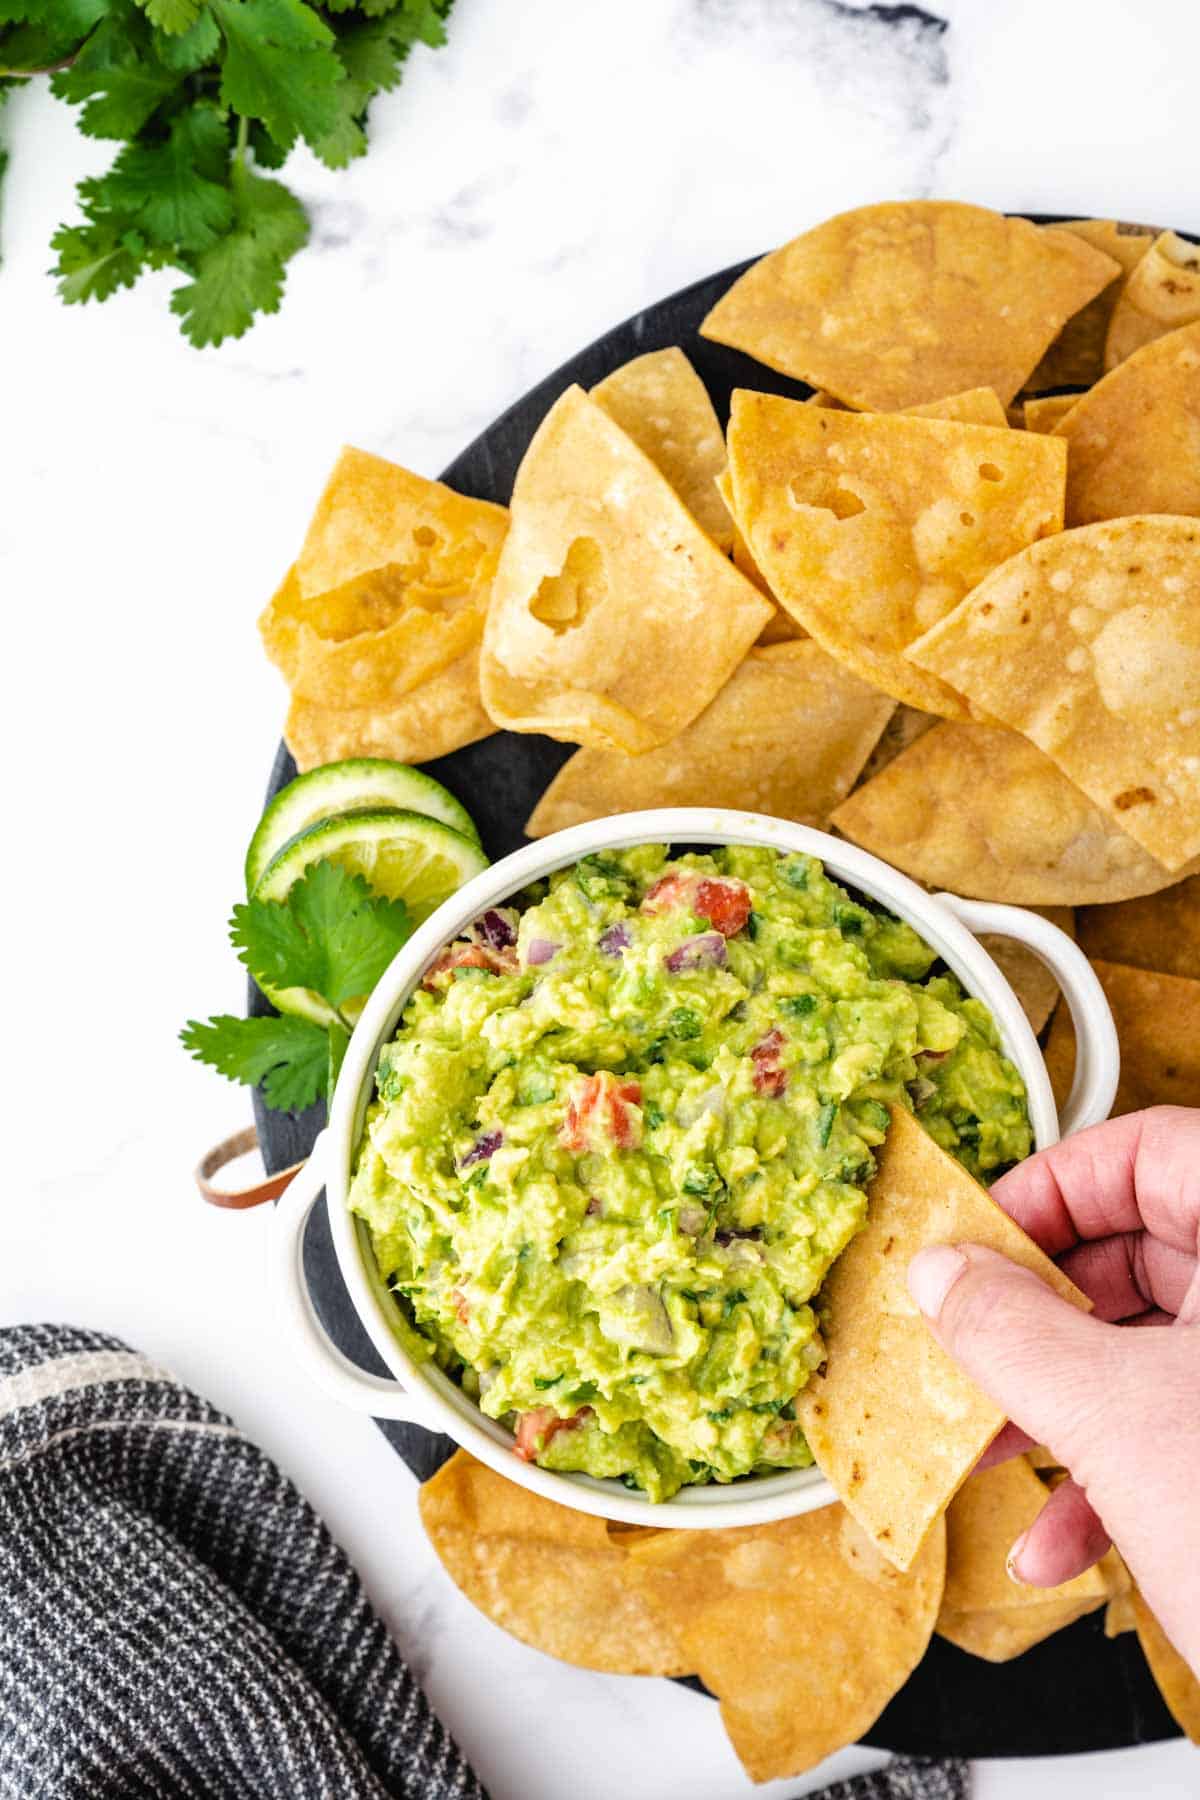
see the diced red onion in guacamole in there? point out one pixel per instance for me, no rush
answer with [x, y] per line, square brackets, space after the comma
[705, 951]
[615, 941]
[541, 950]
[482, 1148]
[494, 929]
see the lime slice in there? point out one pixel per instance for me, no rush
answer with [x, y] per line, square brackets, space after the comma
[361, 783]
[402, 855]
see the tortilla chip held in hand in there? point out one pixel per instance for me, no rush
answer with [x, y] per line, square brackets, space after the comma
[614, 618]
[839, 513]
[892, 305]
[893, 1422]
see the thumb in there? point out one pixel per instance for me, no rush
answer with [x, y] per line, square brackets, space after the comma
[1038, 1357]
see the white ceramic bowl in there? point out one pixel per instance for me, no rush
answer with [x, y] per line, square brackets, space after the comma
[423, 1394]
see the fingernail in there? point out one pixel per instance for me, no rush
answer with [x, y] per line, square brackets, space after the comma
[931, 1275]
[1013, 1557]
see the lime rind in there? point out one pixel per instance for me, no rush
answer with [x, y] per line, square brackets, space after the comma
[358, 784]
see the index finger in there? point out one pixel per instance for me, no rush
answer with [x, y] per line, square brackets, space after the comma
[1137, 1173]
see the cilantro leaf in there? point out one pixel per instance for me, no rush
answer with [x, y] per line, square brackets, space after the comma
[288, 1056]
[330, 934]
[427, 20]
[95, 260]
[279, 67]
[372, 52]
[173, 192]
[116, 78]
[64, 25]
[172, 16]
[189, 50]
[243, 271]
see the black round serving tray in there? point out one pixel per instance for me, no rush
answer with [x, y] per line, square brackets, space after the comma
[1078, 1691]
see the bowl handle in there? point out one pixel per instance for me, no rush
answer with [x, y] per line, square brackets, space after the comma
[1097, 1053]
[316, 1352]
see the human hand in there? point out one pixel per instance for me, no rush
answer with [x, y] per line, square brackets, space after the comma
[1119, 1208]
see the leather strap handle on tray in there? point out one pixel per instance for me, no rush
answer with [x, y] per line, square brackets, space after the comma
[238, 1199]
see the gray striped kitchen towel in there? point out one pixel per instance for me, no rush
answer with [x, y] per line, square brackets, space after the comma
[176, 1623]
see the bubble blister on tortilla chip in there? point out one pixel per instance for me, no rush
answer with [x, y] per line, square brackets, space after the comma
[1089, 644]
[895, 304]
[871, 527]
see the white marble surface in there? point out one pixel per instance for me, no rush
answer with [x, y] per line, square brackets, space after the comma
[556, 167]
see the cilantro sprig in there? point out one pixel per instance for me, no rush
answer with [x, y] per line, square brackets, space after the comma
[331, 935]
[204, 95]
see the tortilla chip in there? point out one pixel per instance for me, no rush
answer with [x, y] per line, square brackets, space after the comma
[892, 305]
[1178, 1685]
[1119, 1615]
[1133, 439]
[869, 528]
[1076, 357]
[904, 727]
[985, 1518]
[442, 715]
[661, 403]
[1161, 932]
[1161, 294]
[1009, 1631]
[391, 585]
[614, 618]
[1158, 1028]
[1046, 412]
[332, 655]
[1027, 975]
[1089, 643]
[801, 1629]
[986, 1612]
[894, 1424]
[1126, 243]
[779, 628]
[786, 735]
[978, 406]
[544, 1573]
[983, 812]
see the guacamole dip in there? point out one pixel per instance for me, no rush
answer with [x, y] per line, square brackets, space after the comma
[625, 1127]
